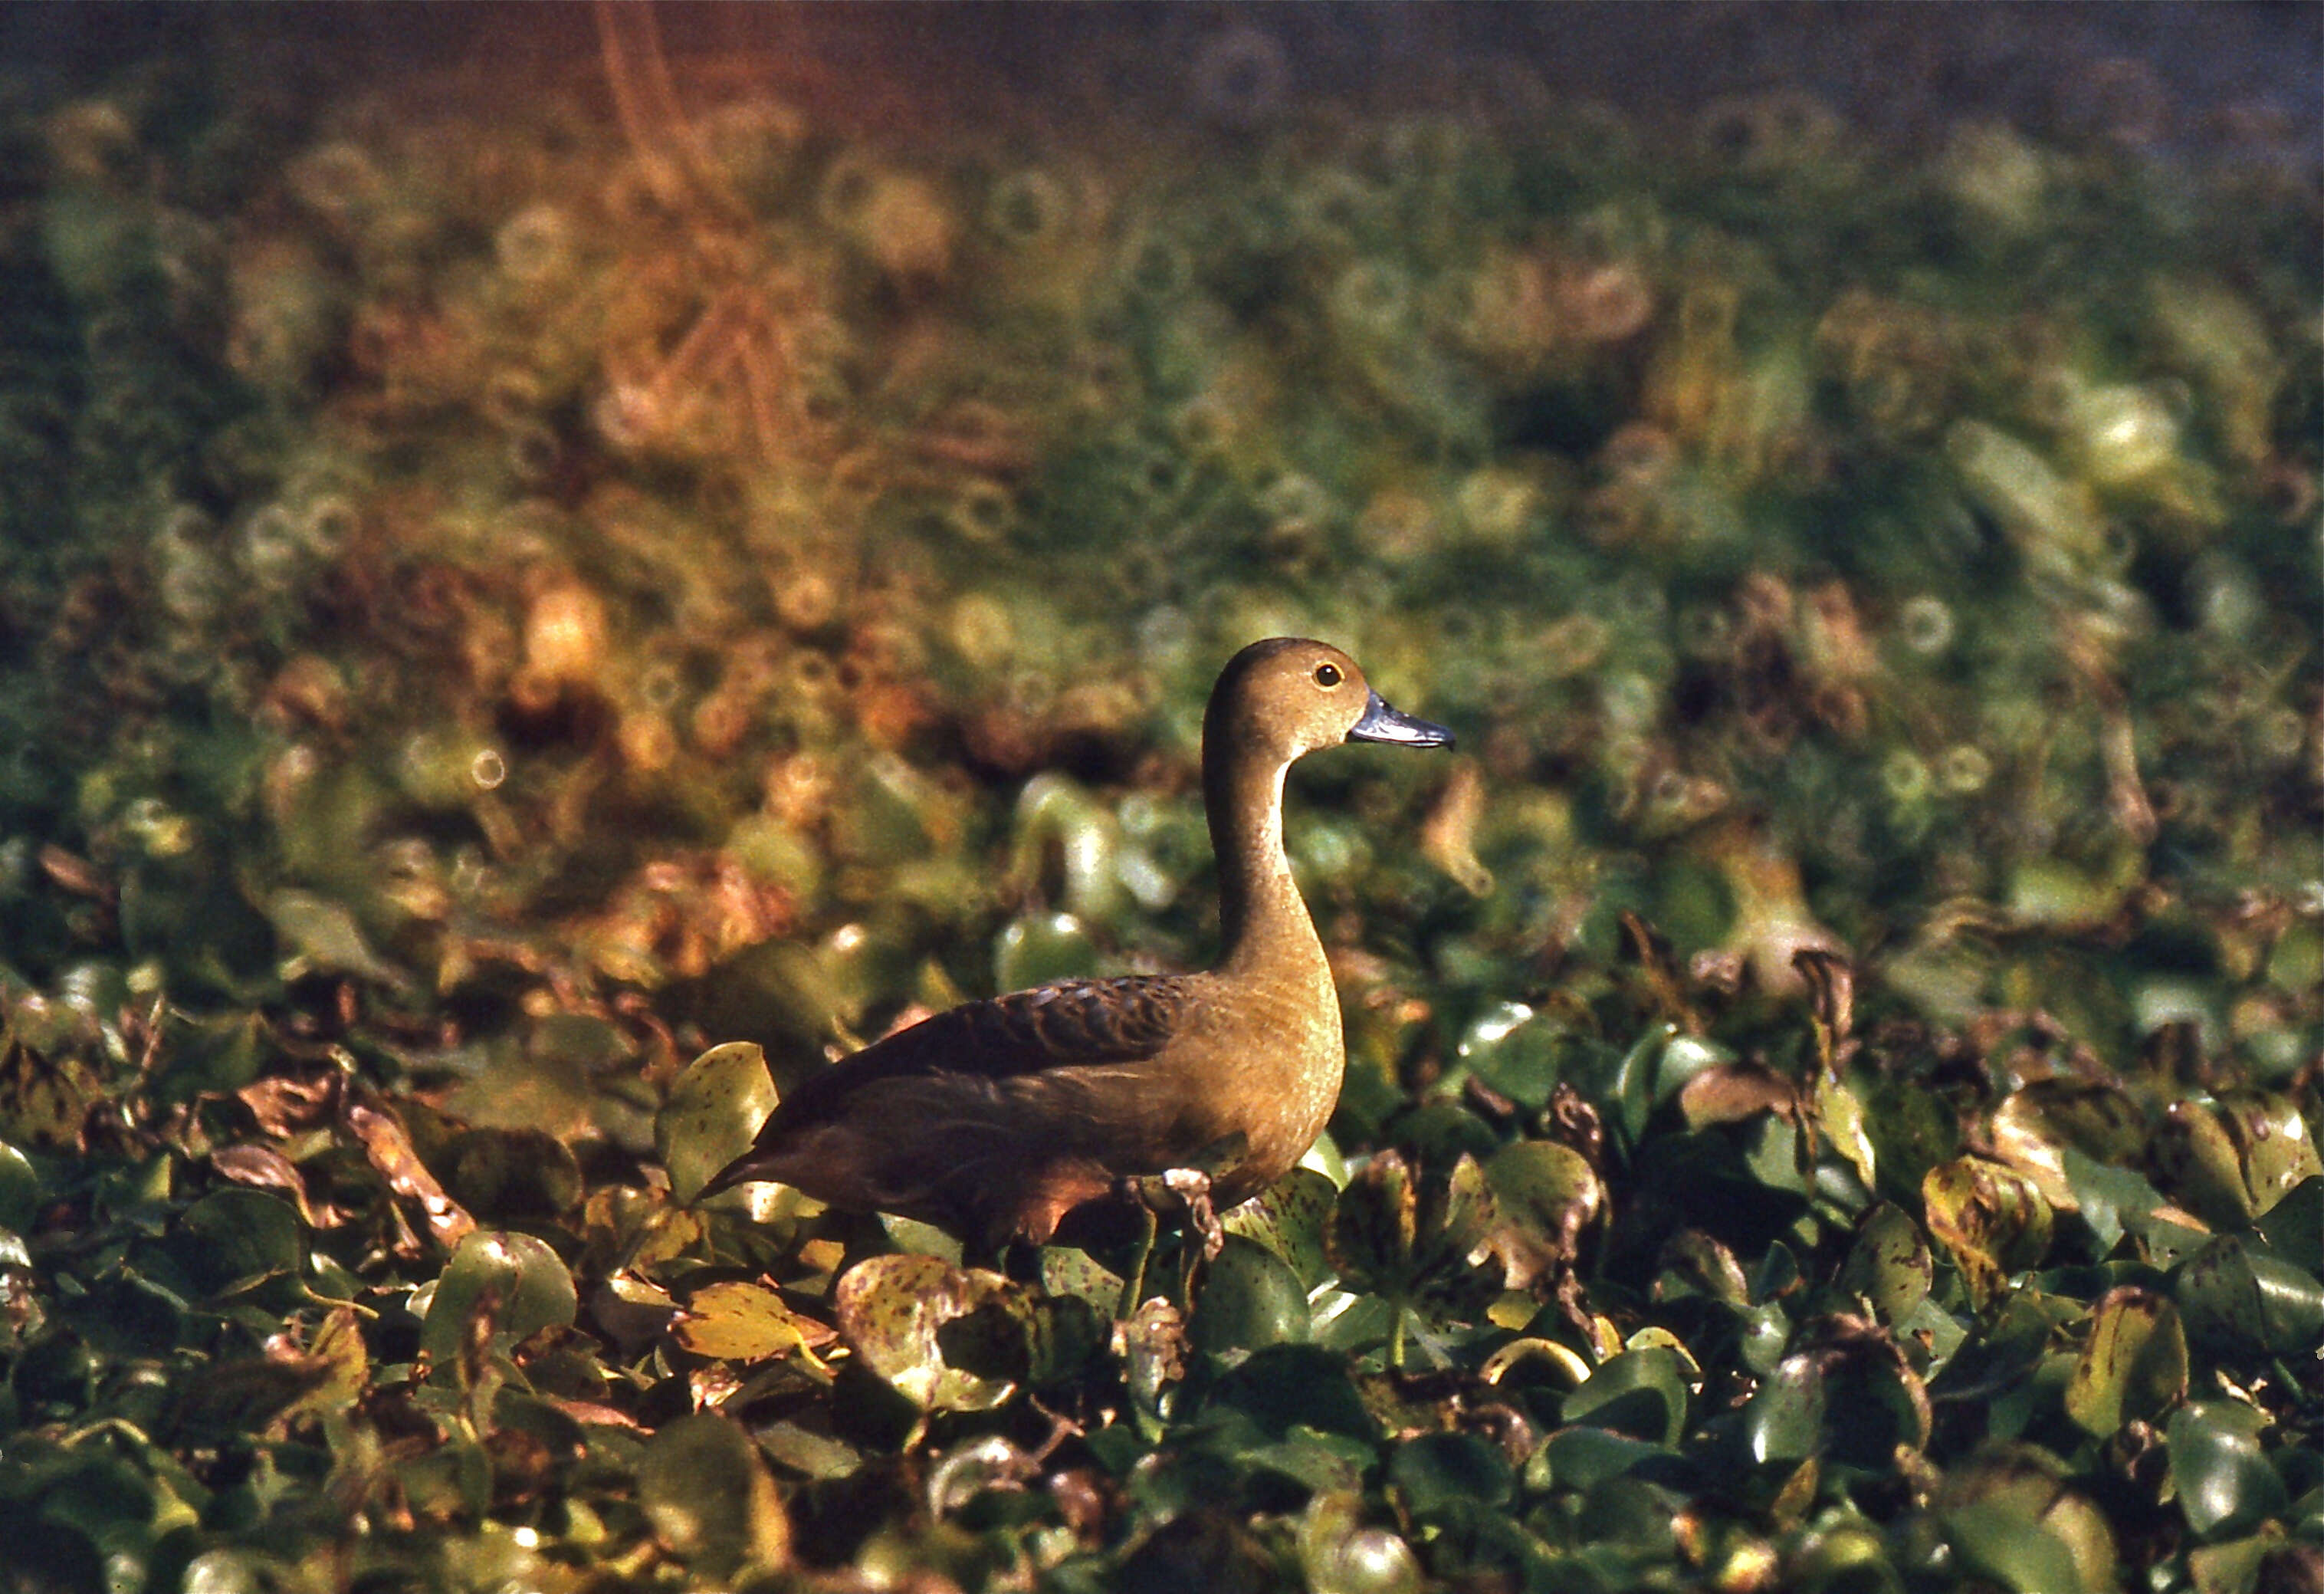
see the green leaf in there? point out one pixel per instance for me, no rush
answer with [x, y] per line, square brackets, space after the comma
[1996, 1542]
[1288, 1386]
[20, 1189]
[2240, 1298]
[1517, 1052]
[1783, 1419]
[1545, 1195]
[234, 1239]
[1583, 1457]
[1342, 1556]
[1433, 1471]
[2223, 1479]
[1066, 1270]
[511, 1282]
[1640, 1392]
[1251, 1299]
[2274, 1154]
[1415, 1241]
[2134, 1364]
[1889, 1266]
[1288, 1218]
[1037, 949]
[2109, 1199]
[710, 1497]
[713, 1110]
[2294, 1228]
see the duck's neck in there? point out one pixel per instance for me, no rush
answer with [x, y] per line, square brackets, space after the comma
[1263, 923]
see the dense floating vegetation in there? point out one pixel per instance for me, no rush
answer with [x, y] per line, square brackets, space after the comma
[515, 621]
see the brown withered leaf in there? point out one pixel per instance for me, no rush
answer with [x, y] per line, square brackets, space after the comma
[1730, 1092]
[1991, 1218]
[284, 1104]
[1831, 990]
[389, 1148]
[265, 1168]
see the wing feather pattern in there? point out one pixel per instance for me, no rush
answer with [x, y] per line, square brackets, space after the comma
[1072, 1023]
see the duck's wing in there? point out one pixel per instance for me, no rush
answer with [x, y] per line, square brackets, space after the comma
[1072, 1023]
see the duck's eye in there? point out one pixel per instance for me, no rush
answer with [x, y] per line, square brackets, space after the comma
[1327, 675]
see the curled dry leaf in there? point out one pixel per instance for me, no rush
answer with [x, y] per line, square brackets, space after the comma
[389, 1148]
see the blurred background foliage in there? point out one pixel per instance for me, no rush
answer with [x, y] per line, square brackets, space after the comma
[538, 543]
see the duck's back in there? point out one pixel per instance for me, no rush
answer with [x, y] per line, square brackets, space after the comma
[997, 1116]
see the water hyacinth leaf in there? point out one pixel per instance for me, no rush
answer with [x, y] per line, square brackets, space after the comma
[1889, 1266]
[813, 1455]
[1342, 1556]
[1288, 1218]
[2239, 1297]
[234, 1239]
[2026, 1487]
[1841, 1116]
[2035, 1128]
[1410, 1239]
[1251, 1299]
[2232, 1567]
[2294, 1228]
[1546, 1194]
[1583, 1456]
[1693, 1260]
[1040, 948]
[1762, 1337]
[710, 1497]
[1996, 1542]
[513, 1283]
[2205, 1157]
[1525, 1360]
[321, 937]
[1516, 1052]
[1315, 1460]
[1066, 1270]
[1636, 1080]
[1731, 1092]
[892, 1309]
[737, 1321]
[2222, 1476]
[1058, 1334]
[20, 1189]
[1438, 1470]
[711, 1114]
[2110, 1200]
[2134, 1365]
[2201, 1166]
[513, 1173]
[1783, 1420]
[388, 1145]
[1640, 1392]
[1991, 1219]
[1911, 1131]
[1875, 1404]
[1285, 1388]
[2274, 1149]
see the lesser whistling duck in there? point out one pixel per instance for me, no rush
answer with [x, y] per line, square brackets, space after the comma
[995, 1120]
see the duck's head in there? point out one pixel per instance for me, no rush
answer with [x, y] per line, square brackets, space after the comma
[1287, 695]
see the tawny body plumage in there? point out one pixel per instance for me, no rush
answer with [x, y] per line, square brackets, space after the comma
[996, 1118]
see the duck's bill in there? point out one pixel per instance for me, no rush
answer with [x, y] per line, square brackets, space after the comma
[1381, 723]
